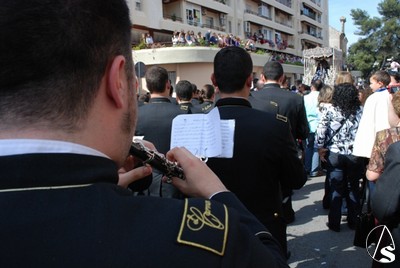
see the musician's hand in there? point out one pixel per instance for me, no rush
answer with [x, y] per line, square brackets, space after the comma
[128, 173]
[200, 180]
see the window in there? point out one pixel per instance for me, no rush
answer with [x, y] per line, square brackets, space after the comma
[196, 15]
[263, 11]
[311, 30]
[247, 28]
[210, 22]
[267, 32]
[189, 16]
[138, 5]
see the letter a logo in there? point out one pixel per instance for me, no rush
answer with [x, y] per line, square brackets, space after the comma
[383, 252]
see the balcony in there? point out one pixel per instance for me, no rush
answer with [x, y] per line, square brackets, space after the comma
[309, 14]
[311, 36]
[256, 13]
[284, 23]
[311, 19]
[317, 2]
[173, 17]
[287, 3]
[221, 6]
[221, 1]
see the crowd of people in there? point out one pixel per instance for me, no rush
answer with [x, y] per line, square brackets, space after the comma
[334, 127]
[190, 38]
[73, 195]
[180, 38]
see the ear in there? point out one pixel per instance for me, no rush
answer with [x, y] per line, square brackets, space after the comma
[116, 81]
[281, 78]
[213, 80]
[249, 81]
[262, 78]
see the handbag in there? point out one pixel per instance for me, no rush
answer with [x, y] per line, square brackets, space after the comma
[324, 165]
[328, 142]
[365, 221]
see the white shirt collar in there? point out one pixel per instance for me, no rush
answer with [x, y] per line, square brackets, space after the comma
[26, 146]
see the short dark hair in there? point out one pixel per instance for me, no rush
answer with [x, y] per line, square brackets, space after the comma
[54, 55]
[232, 67]
[317, 84]
[273, 70]
[381, 76]
[208, 91]
[156, 79]
[184, 90]
[194, 88]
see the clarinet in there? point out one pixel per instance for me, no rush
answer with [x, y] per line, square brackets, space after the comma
[156, 160]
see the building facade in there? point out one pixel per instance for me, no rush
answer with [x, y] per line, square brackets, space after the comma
[280, 28]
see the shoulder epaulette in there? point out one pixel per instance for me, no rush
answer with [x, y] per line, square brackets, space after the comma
[207, 107]
[273, 103]
[204, 225]
[281, 118]
[184, 107]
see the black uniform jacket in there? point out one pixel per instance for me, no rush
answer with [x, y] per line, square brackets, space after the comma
[190, 108]
[386, 202]
[65, 210]
[206, 106]
[288, 104]
[155, 122]
[264, 157]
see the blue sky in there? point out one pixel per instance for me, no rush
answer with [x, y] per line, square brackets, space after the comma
[338, 8]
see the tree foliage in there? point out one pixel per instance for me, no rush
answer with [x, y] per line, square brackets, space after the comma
[379, 37]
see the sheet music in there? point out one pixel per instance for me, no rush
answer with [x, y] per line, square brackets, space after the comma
[227, 135]
[203, 134]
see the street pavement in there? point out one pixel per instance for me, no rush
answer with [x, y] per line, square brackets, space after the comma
[311, 243]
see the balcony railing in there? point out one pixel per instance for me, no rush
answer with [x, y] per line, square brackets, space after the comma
[249, 11]
[287, 3]
[285, 23]
[317, 2]
[221, 1]
[319, 36]
[308, 14]
[173, 17]
[218, 28]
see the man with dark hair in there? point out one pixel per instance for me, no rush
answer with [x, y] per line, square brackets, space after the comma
[184, 96]
[155, 123]
[208, 95]
[196, 100]
[267, 158]
[310, 151]
[67, 118]
[290, 106]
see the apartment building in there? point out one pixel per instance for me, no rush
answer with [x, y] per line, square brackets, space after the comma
[282, 27]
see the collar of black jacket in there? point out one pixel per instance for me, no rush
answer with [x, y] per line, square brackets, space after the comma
[55, 169]
[233, 102]
[159, 99]
[271, 85]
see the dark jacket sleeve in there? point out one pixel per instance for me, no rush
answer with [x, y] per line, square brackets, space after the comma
[294, 175]
[265, 251]
[386, 198]
[303, 128]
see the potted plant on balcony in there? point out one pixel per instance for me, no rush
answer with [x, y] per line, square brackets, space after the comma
[173, 17]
